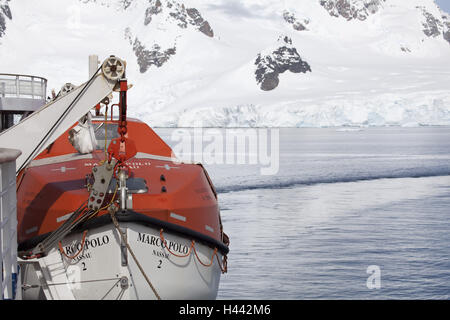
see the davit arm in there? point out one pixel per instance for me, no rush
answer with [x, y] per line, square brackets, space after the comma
[44, 126]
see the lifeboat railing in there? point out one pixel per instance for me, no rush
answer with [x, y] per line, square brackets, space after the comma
[8, 224]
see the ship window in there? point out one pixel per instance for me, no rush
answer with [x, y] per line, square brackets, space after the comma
[134, 185]
[100, 134]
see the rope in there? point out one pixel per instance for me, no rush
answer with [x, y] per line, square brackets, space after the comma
[176, 255]
[110, 289]
[85, 232]
[122, 235]
[224, 262]
[31, 286]
[212, 258]
[222, 265]
[79, 251]
[57, 234]
[106, 132]
[78, 216]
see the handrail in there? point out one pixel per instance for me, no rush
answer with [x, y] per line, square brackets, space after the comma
[22, 86]
[23, 75]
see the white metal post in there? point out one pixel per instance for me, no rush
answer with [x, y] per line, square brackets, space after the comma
[8, 222]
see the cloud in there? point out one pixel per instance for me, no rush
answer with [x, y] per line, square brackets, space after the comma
[236, 8]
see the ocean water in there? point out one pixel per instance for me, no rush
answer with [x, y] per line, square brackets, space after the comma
[350, 214]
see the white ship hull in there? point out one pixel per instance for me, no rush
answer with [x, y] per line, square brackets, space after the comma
[106, 270]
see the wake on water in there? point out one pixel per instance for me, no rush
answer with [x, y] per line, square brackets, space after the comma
[289, 182]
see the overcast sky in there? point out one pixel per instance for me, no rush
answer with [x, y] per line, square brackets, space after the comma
[444, 4]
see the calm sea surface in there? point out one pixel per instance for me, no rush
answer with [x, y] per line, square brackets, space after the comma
[343, 204]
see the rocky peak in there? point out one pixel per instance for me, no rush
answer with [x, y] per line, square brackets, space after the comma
[352, 9]
[297, 24]
[178, 14]
[5, 13]
[171, 12]
[284, 57]
[432, 26]
[168, 12]
[197, 20]
[155, 56]
[154, 9]
[435, 26]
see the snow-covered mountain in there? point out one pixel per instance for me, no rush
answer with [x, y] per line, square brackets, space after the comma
[5, 13]
[246, 62]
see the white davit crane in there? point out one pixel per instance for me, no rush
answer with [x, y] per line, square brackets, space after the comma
[36, 132]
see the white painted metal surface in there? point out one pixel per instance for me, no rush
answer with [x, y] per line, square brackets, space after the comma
[93, 64]
[177, 278]
[103, 270]
[8, 224]
[41, 128]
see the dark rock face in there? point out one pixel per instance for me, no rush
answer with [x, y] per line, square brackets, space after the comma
[352, 9]
[172, 12]
[432, 26]
[6, 10]
[155, 56]
[126, 3]
[197, 20]
[5, 13]
[2, 25]
[435, 27]
[405, 49]
[179, 14]
[152, 10]
[446, 31]
[296, 24]
[206, 29]
[447, 35]
[284, 58]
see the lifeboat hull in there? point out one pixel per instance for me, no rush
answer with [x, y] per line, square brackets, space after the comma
[103, 267]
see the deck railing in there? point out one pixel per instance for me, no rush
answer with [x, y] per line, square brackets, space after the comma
[21, 92]
[8, 223]
[22, 86]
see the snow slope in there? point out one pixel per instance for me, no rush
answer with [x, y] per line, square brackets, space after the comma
[194, 62]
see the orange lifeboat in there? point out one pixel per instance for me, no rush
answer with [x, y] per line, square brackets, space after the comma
[158, 237]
